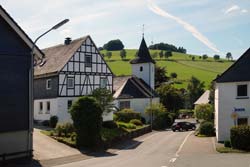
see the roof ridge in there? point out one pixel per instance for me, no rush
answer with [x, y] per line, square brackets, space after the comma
[61, 44]
[143, 86]
[135, 84]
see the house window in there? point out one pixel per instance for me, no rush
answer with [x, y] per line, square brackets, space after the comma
[48, 108]
[48, 84]
[242, 121]
[124, 104]
[70, 82]
[103, 82]
[241, 90]
[88, 61]
[69, 103]
[40, 107]
[141, 68]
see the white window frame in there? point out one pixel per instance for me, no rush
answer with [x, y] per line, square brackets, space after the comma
[48, 107]
[40, 107]
[88, 64]
[69, 101]
[48, 84]
[102, 79]
[126, 106]
[73, 82]
[241, 97]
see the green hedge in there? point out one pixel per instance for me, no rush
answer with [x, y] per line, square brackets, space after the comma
[124, 116]
[207, 128]
[162, 121]
[240, 137]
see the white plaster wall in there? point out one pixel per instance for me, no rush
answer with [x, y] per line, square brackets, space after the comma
[148, 78]
[44, 115]
[12, 142]
[225, 105]
[138, 104]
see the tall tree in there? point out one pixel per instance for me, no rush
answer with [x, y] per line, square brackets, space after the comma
[160, 75]
[229, 56]
[161, 54]
[195, 89]
[170, 97]
[114, 45]
[168, 54]
[123, 54]
[108, 54]
[216, 57]
[204, 57]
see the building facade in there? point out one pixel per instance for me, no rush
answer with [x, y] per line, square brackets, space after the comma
[232, 105]
[69, 70]
[137, 91]
[16, 119]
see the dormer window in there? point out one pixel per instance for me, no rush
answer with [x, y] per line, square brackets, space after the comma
[242, 91]
[141, 68]
[48, 84]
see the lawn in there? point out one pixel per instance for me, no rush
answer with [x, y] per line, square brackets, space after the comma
[182, 64]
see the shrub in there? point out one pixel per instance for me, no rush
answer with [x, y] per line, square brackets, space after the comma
[156, 108]
[86, 114]
[109, 125]
[143, 120]
[126, 125]
[204, 112]
[59, 130]
[136, 122]
[45, 123]
[65, 129]
[227, 143]
[126, 115]
[240, 137]
[53, 121]
[162, 121]
[115, 117]
[207, 128]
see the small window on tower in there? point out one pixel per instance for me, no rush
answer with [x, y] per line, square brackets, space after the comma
[141, 68]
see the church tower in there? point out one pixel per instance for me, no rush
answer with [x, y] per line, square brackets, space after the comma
[143, 66]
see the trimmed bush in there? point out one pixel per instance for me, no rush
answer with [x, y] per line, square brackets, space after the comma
[162, 121]
[227, 143]
[66, 129]
[86, 114]
[240, 137]
[126, 125]
[126, 115]
[53, 121]
[109, 125]
[136, 122]
[207, 128]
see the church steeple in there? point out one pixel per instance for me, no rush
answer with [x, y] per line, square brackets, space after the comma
[143, 54]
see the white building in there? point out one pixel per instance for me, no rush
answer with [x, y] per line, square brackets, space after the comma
[232, 104]
[69, 70]
[137, 91]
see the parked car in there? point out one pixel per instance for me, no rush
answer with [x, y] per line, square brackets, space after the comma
[180, 126]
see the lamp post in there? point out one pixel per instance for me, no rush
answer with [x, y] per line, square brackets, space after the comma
[31, 74]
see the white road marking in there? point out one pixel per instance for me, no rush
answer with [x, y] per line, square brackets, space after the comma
[173, 160]
[182, 144]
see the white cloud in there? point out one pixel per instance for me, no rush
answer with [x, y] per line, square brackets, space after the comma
[195, 32]
[232, 8]
[235, 9]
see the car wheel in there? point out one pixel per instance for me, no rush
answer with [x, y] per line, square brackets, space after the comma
[173, 130]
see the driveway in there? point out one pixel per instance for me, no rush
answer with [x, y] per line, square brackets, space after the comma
[46, 148]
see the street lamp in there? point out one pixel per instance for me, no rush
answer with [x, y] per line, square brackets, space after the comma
[31, 74]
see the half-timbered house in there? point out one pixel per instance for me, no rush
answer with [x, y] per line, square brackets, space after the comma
[16, 64]
[137, 91]
[69, 70]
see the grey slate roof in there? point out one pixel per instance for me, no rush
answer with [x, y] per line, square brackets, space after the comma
[143, 54]
[57, 56]
[239, 71]
[132, 87]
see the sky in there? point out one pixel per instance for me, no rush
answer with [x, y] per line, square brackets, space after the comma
[201, 26]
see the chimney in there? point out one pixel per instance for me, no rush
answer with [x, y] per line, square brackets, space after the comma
[67, 41]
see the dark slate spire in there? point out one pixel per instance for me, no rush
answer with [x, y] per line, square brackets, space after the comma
[143, 54]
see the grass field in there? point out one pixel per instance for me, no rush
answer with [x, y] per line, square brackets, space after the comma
[182, 64]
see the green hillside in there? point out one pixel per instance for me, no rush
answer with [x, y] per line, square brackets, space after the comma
[182, 64]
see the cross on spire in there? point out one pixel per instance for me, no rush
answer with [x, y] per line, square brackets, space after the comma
[143, 28]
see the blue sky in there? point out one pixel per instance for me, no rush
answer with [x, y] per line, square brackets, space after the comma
[202, 27]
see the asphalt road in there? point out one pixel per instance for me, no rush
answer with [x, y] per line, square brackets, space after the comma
[157, 150]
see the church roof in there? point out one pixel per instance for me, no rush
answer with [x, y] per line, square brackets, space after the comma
[132, 87]
[239, 71]
[143, 54]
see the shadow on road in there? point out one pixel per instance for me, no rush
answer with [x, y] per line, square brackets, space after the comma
[21, 162]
